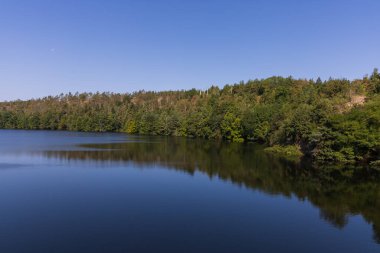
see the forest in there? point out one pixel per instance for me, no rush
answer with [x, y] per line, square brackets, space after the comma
[336, 120]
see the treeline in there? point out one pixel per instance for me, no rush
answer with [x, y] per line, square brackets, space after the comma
[334, 120]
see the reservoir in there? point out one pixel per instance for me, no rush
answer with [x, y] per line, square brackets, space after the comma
[112, 192]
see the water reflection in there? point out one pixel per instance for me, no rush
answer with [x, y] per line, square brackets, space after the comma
[337, 192]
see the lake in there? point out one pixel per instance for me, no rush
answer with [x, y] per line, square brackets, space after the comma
[111, 192]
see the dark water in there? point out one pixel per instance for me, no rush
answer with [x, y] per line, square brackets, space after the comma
[85, 192]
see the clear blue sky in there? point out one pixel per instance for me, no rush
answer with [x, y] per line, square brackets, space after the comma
[49, 47]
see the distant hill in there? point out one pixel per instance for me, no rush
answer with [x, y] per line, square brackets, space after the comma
[335, 120]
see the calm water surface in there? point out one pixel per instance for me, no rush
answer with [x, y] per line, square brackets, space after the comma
[86, 192]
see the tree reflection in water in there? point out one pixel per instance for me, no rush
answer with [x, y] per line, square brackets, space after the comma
[337, 192]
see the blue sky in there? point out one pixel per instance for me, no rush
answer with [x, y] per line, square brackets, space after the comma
[49, 47]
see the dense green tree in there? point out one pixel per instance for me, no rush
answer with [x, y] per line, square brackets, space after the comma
[231, 127]
[375, 81]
